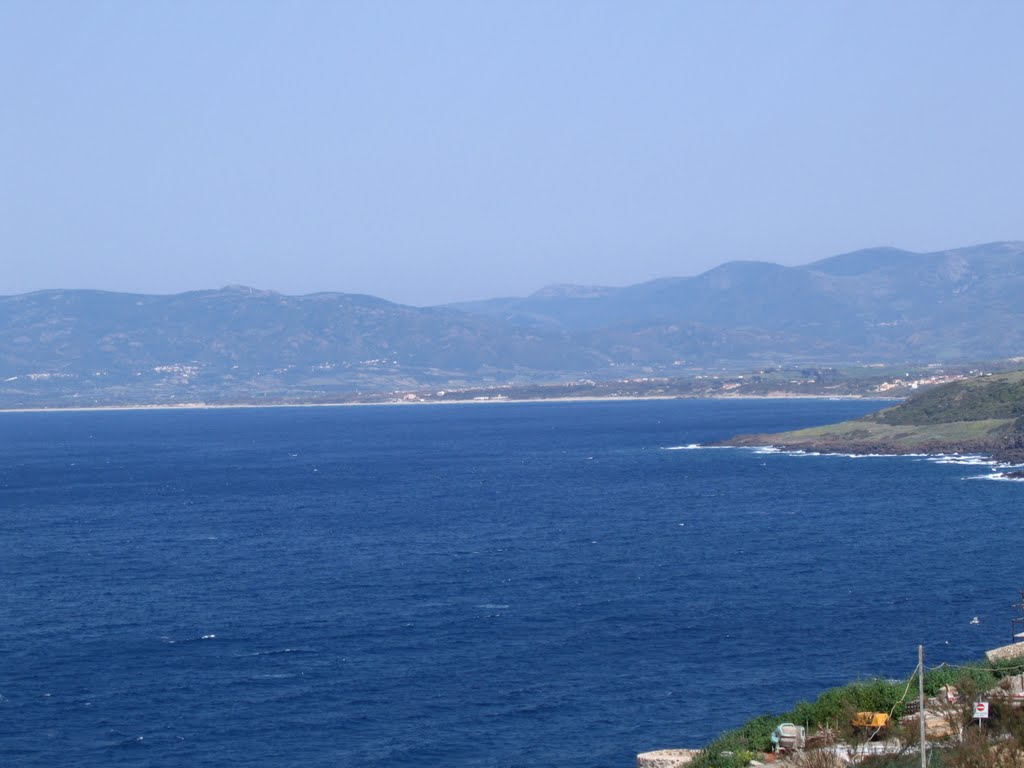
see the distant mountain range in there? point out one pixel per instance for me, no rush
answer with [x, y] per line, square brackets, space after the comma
[879, 305]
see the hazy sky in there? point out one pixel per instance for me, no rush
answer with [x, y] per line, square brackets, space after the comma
[434, 151]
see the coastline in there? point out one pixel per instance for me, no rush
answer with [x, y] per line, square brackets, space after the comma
[1002, 467]
[980, 416]
[466, 401]
[994, 454]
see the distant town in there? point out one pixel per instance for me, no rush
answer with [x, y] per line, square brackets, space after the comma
[860, 382]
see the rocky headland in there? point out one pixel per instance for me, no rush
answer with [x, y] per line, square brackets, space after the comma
[982, 415]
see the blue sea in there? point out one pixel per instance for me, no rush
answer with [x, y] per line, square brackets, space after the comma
[467, 585]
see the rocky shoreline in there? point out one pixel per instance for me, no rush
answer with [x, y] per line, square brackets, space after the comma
[1006, 455]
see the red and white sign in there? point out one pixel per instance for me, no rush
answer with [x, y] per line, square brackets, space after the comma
[981, 710]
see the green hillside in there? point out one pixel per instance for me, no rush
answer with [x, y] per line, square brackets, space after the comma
[981, 415]
[982, 398]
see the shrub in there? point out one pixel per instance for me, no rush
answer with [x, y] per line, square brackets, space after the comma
[979, 677]
[834, 707]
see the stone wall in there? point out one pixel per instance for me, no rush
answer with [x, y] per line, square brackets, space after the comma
[666, 758]
[1006, 652]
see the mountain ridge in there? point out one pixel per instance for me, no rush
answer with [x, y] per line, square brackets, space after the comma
[878, 305]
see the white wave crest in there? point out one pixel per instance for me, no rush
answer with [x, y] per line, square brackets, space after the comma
[172, 641]
[280, 651]
[966, 460]
[1000, 476]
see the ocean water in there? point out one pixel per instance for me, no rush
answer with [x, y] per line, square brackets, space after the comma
[476, 585]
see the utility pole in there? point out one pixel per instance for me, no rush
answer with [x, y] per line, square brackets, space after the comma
[1017, 622]
[920, 703]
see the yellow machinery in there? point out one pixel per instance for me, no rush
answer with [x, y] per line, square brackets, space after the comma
[874, 721]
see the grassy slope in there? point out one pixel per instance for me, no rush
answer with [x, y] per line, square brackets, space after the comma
[983, 415]
[834, 707]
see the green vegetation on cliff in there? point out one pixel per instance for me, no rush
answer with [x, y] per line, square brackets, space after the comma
[979, 415]
[980, 399]
[829, 716]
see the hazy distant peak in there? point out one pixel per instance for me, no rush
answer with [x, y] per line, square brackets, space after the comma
[745, 265]
[246, 290]
[570, 291]
[725, 275]
[874, 259]
[861, 262]
[1000, 248]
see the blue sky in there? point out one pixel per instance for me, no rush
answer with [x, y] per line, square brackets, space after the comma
[428, 152]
